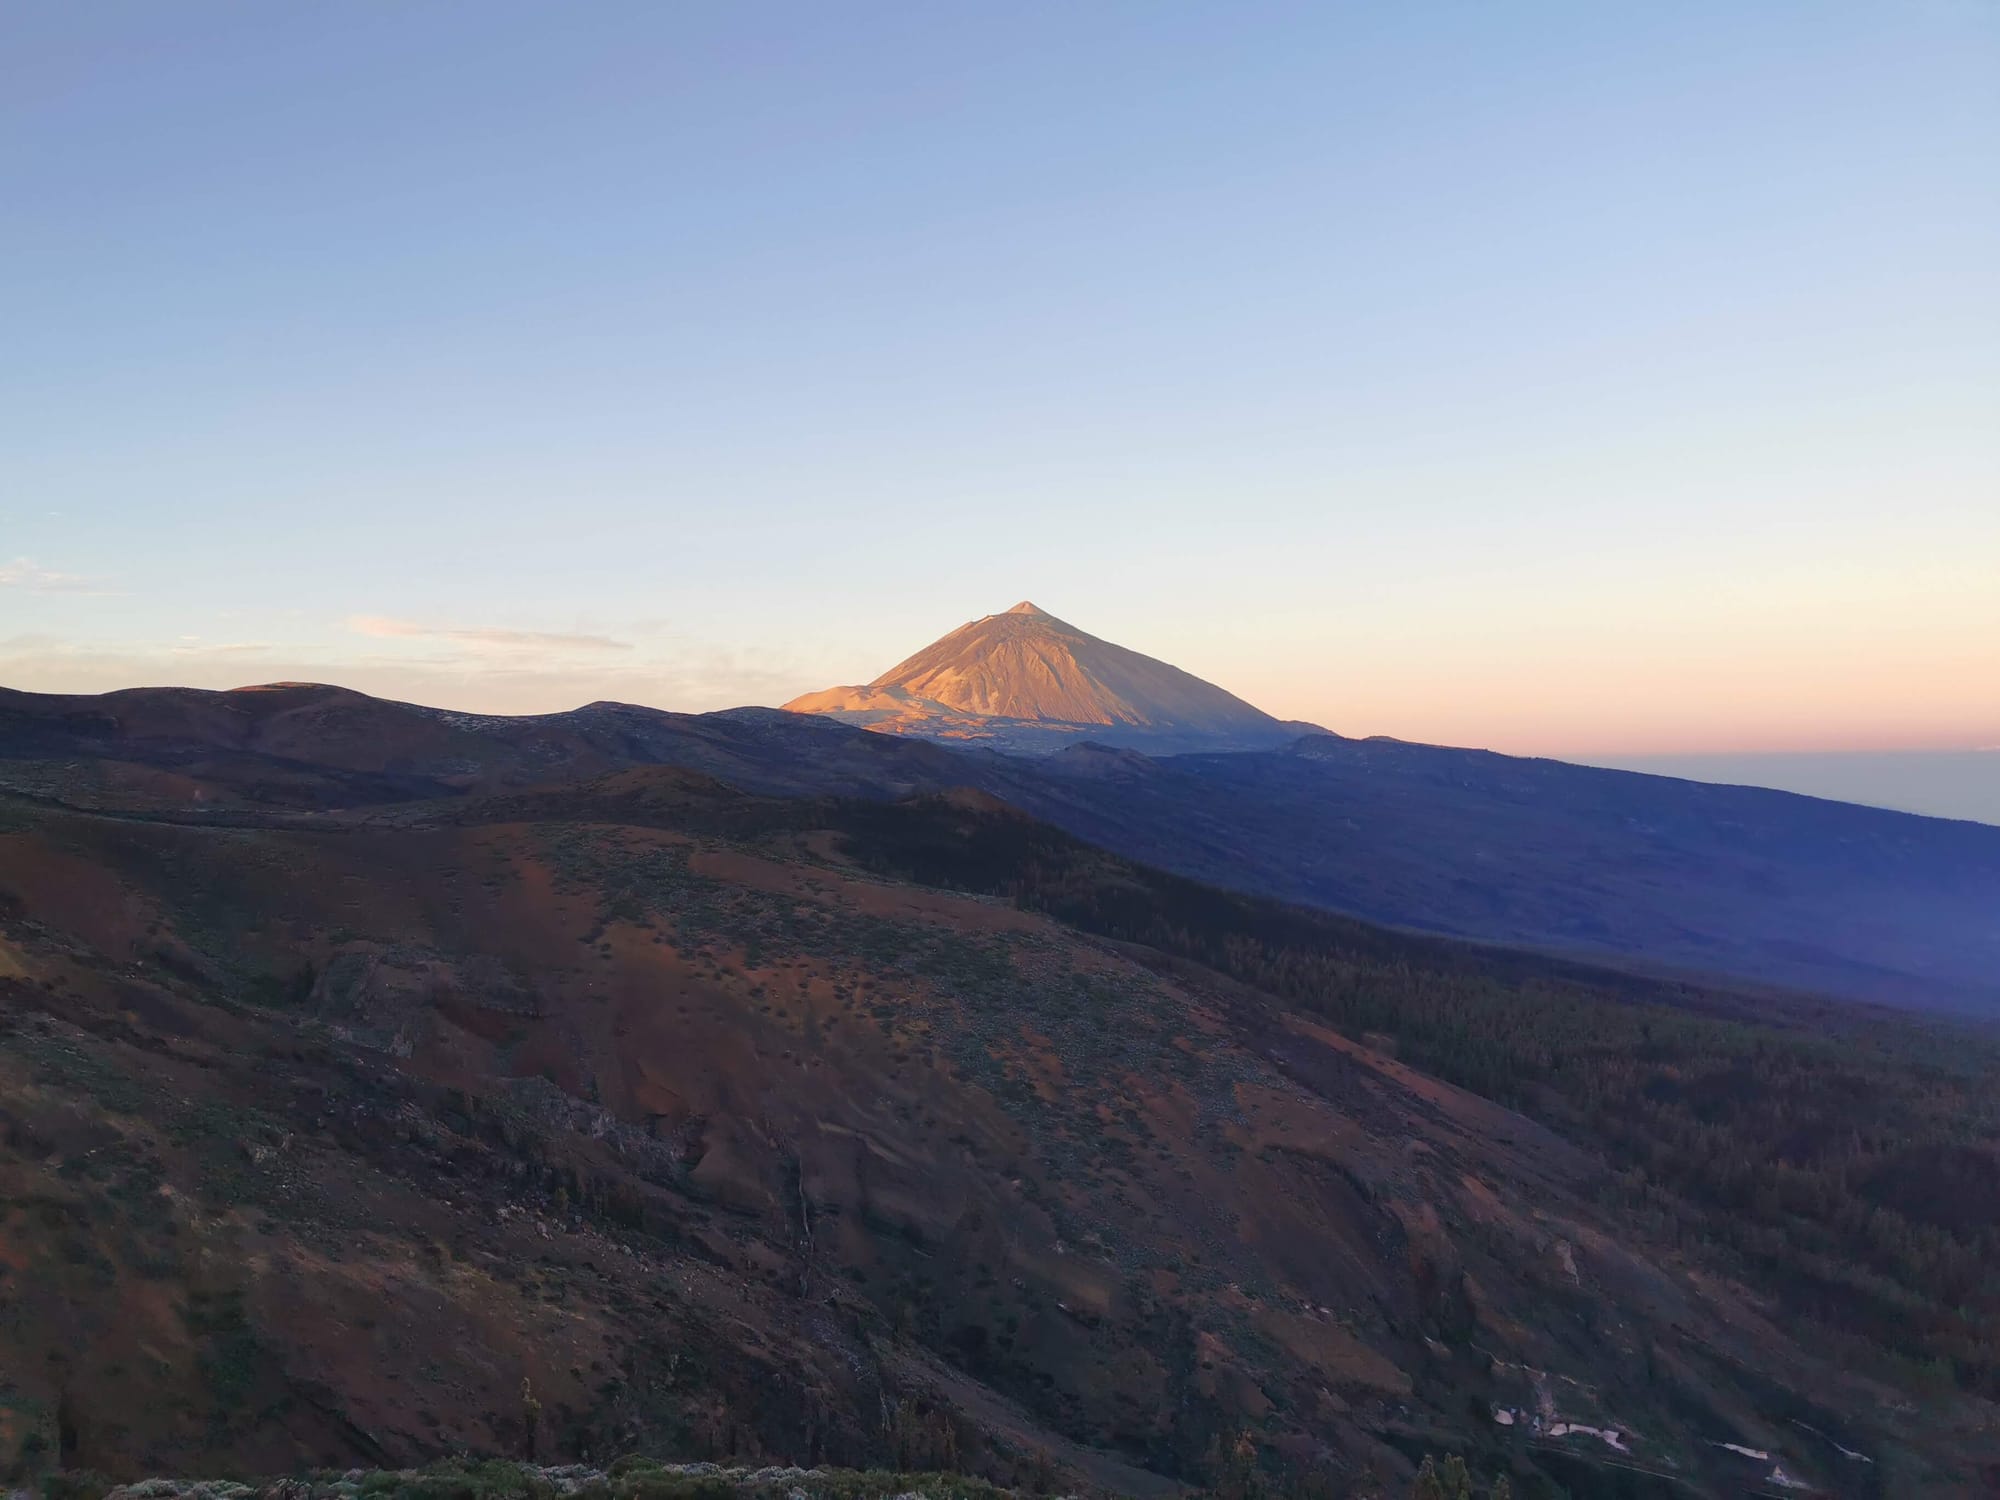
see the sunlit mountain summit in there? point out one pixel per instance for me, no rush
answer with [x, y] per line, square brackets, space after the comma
[1025, 680]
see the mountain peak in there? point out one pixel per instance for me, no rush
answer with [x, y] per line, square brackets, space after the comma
[1025, 676]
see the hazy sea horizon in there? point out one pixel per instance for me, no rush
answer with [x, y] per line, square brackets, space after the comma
[1961, 784]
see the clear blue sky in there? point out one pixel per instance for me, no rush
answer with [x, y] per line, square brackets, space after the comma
[1584, 379]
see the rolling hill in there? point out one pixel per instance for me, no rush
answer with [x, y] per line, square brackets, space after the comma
[1643, 870]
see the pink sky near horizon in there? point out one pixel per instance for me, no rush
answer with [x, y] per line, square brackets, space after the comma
[1620, 384]
[1556, 692]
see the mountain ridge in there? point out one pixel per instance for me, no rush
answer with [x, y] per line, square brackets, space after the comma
[1615, 866]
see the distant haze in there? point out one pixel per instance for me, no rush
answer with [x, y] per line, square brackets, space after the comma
[1942, 783]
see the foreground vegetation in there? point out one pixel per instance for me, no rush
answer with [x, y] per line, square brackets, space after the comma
[465, 1478]
[1845, 1156]
[637, 1478]
[658, 1099]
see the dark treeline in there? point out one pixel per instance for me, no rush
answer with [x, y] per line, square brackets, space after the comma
[1842, 1155]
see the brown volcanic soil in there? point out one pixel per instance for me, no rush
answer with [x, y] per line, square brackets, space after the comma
[320, 1141]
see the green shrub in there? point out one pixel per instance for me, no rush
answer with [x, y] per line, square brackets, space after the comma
[658, 1485]
[76, 1484]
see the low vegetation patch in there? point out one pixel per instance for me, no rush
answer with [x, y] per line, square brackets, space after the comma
[499, 1479]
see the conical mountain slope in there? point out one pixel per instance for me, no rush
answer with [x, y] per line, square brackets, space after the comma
[1030, 681]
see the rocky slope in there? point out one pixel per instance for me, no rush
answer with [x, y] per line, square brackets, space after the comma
[640, 1112]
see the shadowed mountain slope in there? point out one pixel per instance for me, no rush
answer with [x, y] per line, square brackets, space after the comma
[1645, 870]
[866, 1131]
[312, 745]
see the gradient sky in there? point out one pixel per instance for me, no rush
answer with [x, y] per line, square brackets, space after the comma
[1596, 380]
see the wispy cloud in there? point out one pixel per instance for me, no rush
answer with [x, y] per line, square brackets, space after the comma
[220, 648]
[382, 627]
[24, 573]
